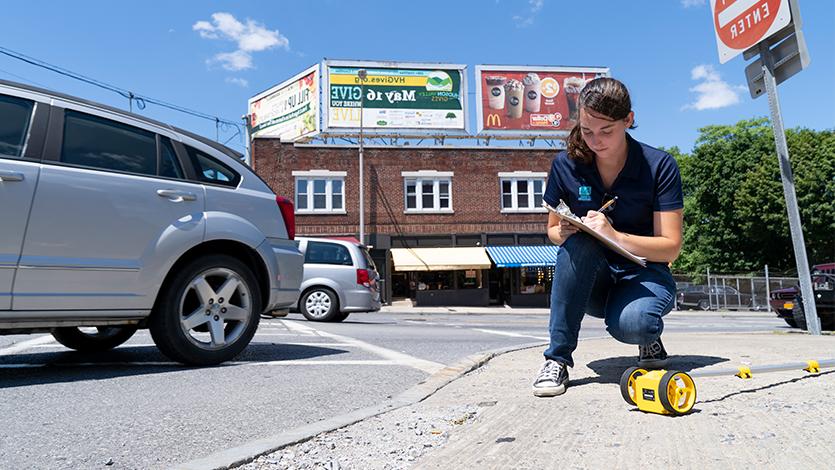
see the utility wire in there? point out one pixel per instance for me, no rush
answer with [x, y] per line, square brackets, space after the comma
[140, 100]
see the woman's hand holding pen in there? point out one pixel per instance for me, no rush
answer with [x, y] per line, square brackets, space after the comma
[598, 222]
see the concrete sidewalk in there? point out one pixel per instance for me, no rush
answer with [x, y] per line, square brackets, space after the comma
[774, 420]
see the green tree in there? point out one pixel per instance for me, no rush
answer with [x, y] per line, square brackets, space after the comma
[734, 207]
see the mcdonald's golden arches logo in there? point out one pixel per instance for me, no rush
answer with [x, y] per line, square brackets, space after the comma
[494, 120]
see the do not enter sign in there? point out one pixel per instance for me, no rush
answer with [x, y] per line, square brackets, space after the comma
[742, 24]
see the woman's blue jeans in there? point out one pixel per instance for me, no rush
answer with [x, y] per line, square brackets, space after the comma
[631, 299]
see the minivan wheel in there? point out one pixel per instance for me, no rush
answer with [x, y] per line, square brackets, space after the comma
[95, 339]
[319, 304]
[704, 305]
[208, 312]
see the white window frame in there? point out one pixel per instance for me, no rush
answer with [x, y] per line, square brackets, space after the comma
[419, 178]
[514, 177]
[329, 177]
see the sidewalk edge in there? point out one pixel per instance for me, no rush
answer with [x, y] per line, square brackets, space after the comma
[245, 453]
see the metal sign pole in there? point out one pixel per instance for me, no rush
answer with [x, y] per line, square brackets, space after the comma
[788, 190]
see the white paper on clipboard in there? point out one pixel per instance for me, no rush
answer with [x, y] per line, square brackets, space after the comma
[563, 212]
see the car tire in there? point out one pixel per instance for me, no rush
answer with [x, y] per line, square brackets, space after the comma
[341, 317]
[704, 305]
[208, 312]
[790, 322]
[798, 314]
[320, 304]
[104, 339]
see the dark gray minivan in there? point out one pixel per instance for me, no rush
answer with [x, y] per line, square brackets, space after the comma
[339, 278]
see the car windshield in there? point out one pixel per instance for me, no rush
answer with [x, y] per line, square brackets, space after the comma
[368, 261]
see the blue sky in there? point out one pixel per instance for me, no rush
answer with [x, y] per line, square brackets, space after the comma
[212, 56]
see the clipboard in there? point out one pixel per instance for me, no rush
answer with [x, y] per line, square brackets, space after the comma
[563, 212]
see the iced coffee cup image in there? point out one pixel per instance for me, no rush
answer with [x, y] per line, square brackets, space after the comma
[515, 91]
[495, 86]
[572, 87]
[533, 97]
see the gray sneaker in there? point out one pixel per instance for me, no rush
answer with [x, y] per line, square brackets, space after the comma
[652, 355]
[551, 380]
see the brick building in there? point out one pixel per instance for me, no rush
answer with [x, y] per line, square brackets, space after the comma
[419, 198]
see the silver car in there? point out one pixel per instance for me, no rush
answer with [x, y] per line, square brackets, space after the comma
[339, 278]
[114, 221]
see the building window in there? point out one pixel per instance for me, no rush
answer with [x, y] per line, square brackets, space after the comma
[428, 191]
[320, 191]
[522, 191]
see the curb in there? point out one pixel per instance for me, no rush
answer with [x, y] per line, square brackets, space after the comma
[243, 454]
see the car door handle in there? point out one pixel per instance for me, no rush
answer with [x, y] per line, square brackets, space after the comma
[176, 196]
[10, 176]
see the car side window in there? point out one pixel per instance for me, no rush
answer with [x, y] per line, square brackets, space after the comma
[15, 114]
[327, 253]
[94, 142]
[169, 166]
[209, 170]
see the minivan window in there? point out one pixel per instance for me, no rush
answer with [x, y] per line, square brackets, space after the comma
[15, 114]
[168, 164]
[327, 253]
[95, 142]
[210, 170]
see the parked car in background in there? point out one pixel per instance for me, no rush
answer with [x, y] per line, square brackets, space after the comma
[720, 297]
[339, 278]
[823, 290]
[782, 301]
[114, 221]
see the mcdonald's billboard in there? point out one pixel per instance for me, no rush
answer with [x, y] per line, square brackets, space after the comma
[531, 101]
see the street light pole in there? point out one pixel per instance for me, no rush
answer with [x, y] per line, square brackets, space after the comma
[361, 73]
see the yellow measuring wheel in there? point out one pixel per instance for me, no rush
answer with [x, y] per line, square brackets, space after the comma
[658, 391]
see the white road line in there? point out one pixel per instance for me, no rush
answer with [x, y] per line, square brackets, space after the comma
[24, 345]
[398, 357]
[507, 333]
[327, 363]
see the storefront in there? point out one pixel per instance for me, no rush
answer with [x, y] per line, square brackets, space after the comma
[526, 273]
[454, 276]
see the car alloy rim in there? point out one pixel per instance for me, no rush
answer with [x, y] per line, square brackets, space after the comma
[318, 304]
[215, 308]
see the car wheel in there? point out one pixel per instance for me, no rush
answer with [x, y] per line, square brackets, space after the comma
[342, 316]
[798, 314]
[320, 304]
[95, 339]
[704, 305]
[790, 322]
[208, 312]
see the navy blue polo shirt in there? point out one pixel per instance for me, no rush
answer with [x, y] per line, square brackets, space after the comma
[649, 182]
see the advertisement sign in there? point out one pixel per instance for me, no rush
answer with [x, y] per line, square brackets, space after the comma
[289, 110]
[530, 101]
[395, 96]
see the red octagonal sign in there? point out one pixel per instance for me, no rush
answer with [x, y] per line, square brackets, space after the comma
[741, 24]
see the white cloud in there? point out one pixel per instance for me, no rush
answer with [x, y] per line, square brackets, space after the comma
[242, 82]
[712, 92]
[692, 3]
[249, 37]
[534, 7]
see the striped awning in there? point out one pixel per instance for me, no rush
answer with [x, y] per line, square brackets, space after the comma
[439, 259]
[523, 256]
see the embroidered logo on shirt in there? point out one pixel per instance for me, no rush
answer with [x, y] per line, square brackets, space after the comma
[584, 193]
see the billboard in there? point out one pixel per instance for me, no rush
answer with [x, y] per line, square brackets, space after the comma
[289, 110]
[530, 101]
[395, 96]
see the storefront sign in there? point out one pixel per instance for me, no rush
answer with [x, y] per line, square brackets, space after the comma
[530, 100]
[289, 110]
[395, 96]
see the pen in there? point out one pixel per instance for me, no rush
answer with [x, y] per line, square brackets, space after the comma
[609, 203]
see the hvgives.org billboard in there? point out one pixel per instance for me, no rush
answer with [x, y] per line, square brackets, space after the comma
[289, 110]
[395, 96]
[522, 100]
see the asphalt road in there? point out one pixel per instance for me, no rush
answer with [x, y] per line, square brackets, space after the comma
[134, 408]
